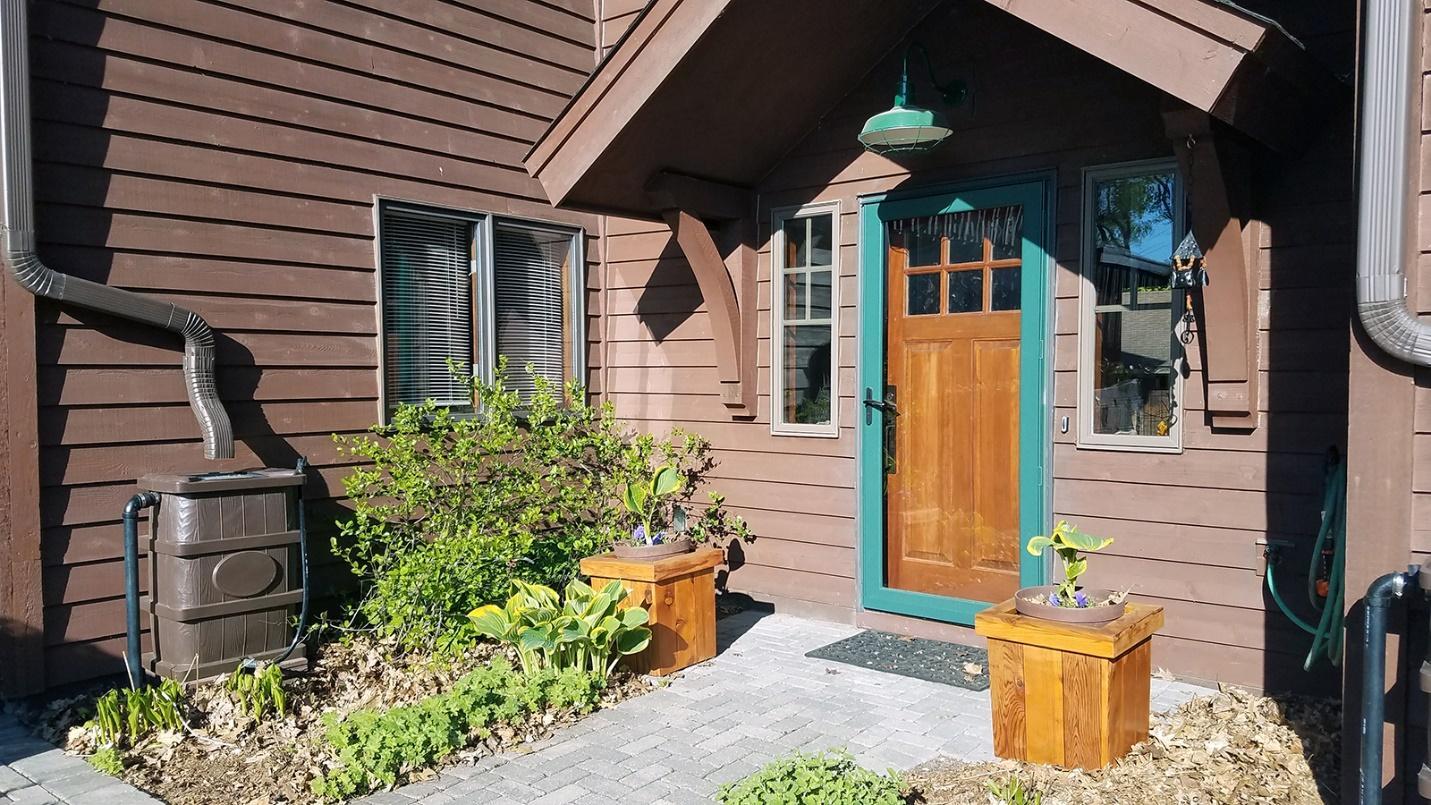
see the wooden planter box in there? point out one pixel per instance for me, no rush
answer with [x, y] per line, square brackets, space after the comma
[1067, 694]
[679, 592]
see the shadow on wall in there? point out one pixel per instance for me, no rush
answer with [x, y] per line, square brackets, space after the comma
[111, 393]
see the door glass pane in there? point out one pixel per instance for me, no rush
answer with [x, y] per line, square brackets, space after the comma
[820, 294]
[922, 294]
[1133, 353]
[966, 291]
[1007, 248]
[807, 374]
[923, 248]
[797, 249]
[1004, 288]
[966, 244]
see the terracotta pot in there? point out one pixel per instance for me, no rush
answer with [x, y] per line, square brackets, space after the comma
[679, 546]
[1038, 608]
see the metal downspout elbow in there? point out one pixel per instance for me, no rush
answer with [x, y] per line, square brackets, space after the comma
[17, 230]
[1383, 154]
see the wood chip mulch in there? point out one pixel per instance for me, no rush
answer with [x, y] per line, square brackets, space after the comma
[1232, 748]
[227, 758]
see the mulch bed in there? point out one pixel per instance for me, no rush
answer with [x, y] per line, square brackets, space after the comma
[1230, 748]
[227, 758]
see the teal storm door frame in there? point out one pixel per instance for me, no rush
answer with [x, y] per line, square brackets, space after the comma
[1035, 386]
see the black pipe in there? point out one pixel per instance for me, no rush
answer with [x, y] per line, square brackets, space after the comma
[301, 469]
[133, 661]
[1373, 678]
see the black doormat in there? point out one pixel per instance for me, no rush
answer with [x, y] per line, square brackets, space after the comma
[929, 660]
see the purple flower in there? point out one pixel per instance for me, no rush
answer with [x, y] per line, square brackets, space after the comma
[659, 539]
[1080, 599]
[1053, 600]
[639, 535]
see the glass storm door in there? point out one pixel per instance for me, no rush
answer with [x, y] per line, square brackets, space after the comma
[954, 431]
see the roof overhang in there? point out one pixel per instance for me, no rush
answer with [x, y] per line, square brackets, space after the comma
[711, 93]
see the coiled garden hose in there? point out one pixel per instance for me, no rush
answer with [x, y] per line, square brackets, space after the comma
[1327, 635]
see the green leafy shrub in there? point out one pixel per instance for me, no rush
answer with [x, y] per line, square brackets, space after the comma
[128, 715]
[449, 508]
[258, 691]
[827, 778]
[108, 760]
[588, 631]
[372, 748]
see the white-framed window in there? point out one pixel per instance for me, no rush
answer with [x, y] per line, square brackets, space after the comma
[1130, 358]
[805, 304]
[474, 287]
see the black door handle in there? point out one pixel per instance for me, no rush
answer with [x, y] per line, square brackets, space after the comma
[885, 406]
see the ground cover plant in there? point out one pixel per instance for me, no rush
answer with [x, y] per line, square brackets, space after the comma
[450, 507]
[370, 714]
[825, 778]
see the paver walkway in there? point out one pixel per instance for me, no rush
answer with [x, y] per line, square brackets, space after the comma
[34, 772]
[716, 723]
[720, 721]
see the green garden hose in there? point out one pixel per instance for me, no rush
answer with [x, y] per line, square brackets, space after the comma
[1327, 634]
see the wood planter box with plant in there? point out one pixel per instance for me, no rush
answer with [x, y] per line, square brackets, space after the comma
[1069, 669]
[666, 572]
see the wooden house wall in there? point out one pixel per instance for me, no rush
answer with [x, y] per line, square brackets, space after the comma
[615, 18]
[227, 158]
[1185, 525]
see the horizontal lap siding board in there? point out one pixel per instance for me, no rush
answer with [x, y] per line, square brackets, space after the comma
[227, 159]
[1185, 525]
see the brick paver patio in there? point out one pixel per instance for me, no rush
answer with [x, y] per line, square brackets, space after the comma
[713, 724]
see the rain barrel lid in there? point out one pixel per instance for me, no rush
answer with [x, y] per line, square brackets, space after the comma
[206, 482]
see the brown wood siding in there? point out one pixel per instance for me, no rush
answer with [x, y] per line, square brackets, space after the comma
[616, 17]
[1185, 524]
[228, 159]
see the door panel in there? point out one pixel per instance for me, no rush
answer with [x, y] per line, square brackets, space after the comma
[953, 355]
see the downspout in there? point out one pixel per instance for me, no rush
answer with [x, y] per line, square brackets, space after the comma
[1383, 153]
[23, 264]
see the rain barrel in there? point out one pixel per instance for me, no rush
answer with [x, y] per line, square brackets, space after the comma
[224, 574]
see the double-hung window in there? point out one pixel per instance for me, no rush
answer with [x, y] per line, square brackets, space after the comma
[474, 288]
[805, 260]
[1130, 357]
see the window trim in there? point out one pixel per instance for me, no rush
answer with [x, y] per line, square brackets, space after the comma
[1086, 438]
[483, 290]
[778, 217]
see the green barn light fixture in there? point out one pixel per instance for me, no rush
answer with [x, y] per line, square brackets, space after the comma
[907, 128]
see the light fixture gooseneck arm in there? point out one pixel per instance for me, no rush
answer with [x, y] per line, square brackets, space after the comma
[953, 92]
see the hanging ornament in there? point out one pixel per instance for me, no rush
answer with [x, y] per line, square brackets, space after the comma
[1189, 275]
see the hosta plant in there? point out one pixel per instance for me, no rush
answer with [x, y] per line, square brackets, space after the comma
[649, 499]
[258, 691]
[1069, 543]
[587, 631]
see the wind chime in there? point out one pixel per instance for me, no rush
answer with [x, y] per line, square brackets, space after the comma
[1189, 275]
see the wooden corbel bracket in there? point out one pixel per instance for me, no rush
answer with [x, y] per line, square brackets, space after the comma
[726, 278]
[1216, 167]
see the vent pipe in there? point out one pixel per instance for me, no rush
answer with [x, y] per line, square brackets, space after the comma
[18, 230]
[1383, 154]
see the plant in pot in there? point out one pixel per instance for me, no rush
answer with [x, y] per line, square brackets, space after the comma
[1066, 601]
[660, 521]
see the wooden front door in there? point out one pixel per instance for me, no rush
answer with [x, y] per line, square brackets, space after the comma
[952, 377]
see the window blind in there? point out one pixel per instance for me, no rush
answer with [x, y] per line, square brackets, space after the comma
[427, 306]
[528, 267]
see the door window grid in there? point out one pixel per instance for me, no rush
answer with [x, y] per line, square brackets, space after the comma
[959, 275]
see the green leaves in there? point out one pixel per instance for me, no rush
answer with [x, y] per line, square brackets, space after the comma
[827, 778]
[1068, 542]
[371, 749]
[588, 630]
[128, 715]
[258, 692]
[450, 508]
